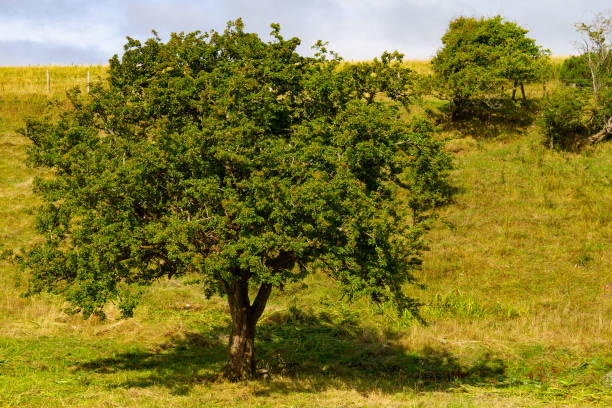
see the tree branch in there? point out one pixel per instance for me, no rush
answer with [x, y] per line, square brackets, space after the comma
[259, 304]
[601, 135]
[223, 282]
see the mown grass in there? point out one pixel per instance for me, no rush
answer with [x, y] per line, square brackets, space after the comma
[518, 298]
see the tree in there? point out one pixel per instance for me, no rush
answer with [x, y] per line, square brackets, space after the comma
[239, 161]
[481, 57]
[597, 47]
[387, 76]
[596, 58]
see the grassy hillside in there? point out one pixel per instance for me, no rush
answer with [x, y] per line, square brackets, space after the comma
[518, 293]
[33, 80]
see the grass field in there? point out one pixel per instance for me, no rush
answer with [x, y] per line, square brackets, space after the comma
[518, 293]
[33, 80]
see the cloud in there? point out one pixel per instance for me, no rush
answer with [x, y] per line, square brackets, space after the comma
[71, 34]
[357, 29]
[17, 53]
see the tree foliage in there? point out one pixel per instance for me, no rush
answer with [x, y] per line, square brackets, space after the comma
[238, 161]
[482, 57]
[368, 79]
[575, 71]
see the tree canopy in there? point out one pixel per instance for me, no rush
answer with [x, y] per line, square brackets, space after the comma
[481, 57]
[238, 161]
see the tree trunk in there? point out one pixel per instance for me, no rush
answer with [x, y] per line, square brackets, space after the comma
[241, 350]
[523, 92]
[455, 107]
[514, 91]
[593, 68]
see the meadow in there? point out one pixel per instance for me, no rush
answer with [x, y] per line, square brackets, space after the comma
[517, 293]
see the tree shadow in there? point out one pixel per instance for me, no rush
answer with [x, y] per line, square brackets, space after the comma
[328, 352]
[492, 118]
[177, 364]
[336, 351]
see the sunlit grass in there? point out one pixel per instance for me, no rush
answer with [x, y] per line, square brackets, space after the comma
[33, 80]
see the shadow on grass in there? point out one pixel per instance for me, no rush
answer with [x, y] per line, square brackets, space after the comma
[326, 351]
[177, 364]
[339, 351]
[493, 118]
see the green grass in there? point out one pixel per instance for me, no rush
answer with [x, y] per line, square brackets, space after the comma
[518, 299]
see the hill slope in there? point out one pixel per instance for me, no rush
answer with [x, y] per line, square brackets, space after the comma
[518, 293]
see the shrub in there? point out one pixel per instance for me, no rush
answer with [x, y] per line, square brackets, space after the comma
[562, 118]
[575, 71]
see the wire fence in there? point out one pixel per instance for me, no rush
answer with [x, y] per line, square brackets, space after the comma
[48, 80]
[59, 79]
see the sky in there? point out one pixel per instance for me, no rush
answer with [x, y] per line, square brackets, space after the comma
[41, 32]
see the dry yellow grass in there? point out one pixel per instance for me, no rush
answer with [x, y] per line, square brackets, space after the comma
[33, 80]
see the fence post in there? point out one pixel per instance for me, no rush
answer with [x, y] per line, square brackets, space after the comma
[48, 82]
[87, 81]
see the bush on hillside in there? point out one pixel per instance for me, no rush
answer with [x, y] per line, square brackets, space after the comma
[562, 121]
[575, 71]
[601, 112]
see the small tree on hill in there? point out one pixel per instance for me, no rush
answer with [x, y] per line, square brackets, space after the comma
[481, 57]
[597, 48]
[239, 161]
[572, 118]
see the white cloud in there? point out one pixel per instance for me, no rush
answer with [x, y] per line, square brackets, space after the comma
[94, 35]
[357, 29]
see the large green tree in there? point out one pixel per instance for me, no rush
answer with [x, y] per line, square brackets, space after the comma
[481, 57]
[239, 161]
